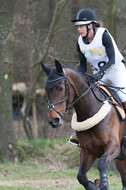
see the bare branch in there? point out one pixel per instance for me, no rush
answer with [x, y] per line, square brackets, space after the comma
[43, 54]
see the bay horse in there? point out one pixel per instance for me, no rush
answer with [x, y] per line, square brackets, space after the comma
[65, 88]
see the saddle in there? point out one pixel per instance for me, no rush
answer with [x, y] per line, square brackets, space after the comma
[115, 100]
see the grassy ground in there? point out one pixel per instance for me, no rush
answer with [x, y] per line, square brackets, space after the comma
[49, 165]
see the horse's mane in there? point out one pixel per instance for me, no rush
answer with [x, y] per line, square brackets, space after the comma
[83, 76]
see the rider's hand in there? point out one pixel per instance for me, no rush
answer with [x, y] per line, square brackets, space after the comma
[97, 76]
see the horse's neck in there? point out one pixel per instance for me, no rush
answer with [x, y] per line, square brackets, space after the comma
[88, 105]
[84, 107]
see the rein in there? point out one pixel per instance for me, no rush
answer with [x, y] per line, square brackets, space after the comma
[80, 96]
[67, 94]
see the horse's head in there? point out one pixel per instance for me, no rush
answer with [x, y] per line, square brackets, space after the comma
[58, 92]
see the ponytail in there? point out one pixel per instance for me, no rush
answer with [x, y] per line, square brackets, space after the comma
[99, 24]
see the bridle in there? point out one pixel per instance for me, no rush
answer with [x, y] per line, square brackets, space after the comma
[67, 97]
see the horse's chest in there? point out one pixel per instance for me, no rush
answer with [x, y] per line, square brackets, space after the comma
[89, 142]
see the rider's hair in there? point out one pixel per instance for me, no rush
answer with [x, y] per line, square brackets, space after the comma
[99, 24]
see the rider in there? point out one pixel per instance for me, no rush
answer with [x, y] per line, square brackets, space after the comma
[96, 46]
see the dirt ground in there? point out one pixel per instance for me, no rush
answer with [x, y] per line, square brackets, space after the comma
[38, 182]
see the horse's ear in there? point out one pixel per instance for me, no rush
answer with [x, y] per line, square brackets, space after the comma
[45, 68]
[58, 66]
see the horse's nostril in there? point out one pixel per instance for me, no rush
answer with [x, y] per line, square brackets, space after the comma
[56, 121]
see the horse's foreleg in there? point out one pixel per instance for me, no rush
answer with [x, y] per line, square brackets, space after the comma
[106, 158]
[102, 167]
[86, 161]
[121, 166]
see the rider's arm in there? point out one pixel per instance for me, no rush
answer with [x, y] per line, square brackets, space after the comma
[83, 61]
[108, 44]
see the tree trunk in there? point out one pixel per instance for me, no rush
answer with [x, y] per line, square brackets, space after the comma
[42, 55]
[111, 14]
[35, 124]
[7, 137]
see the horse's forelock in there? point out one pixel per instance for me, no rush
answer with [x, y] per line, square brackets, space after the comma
[54, 78]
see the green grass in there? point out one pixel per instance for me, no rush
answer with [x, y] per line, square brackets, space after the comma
[49, 165]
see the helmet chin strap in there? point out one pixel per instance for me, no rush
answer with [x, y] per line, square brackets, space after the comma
[88, 30]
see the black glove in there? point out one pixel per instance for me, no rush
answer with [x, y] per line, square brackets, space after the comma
[97, 76]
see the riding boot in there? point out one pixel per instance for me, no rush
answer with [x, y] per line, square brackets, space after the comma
[123, 146]
[124, 104]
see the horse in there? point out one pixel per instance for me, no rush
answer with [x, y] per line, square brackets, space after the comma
[66, 88]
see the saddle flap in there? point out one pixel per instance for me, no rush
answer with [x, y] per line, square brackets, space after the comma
[115, 100]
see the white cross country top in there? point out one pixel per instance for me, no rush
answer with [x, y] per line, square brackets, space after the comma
[95, 51]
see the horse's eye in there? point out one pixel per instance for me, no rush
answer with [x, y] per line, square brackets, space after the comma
[59, 88]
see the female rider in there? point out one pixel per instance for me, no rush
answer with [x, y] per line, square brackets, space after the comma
[96, 46]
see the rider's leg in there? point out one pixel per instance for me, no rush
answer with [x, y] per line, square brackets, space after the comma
[117, 77]
[124, 104]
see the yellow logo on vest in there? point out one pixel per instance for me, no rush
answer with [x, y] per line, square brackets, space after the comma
[95, 52]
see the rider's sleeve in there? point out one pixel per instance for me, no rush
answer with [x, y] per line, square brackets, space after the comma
[83, 61]
[108, 44]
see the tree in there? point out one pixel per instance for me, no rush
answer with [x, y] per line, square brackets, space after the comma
[42, 53]
[7, 138]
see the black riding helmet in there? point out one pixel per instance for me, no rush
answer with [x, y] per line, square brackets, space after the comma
[85, 17]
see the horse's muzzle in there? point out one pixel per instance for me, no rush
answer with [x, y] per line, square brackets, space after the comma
[56, 122]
